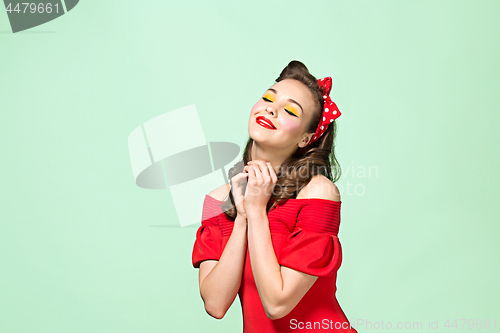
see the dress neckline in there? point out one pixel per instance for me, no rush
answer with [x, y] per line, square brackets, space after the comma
[337, 202]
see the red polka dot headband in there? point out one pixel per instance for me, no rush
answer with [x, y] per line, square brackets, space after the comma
[330, 109]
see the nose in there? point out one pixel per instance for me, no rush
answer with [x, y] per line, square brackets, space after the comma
[270, 110]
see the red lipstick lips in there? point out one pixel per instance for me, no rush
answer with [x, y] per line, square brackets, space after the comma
[264, 122]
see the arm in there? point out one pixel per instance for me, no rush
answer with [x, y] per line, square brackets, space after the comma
[280, 288]
[220, 280]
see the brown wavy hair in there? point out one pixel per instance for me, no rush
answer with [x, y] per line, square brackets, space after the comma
[307, 162]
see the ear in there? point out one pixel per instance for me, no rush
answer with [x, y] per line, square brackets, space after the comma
[305, 140]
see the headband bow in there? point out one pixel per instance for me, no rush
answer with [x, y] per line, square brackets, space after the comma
[330, 109]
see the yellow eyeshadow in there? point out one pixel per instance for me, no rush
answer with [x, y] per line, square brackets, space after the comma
[292, 109]
[268, 96]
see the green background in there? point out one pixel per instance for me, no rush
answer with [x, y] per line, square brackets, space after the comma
[83, 249]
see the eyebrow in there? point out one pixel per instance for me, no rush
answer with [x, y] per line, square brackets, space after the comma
[291, 100]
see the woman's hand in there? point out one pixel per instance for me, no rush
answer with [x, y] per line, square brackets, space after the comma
[261, 181]
[238, 184]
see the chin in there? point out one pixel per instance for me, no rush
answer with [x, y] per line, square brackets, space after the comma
[259, 134]
[257, 138]
[264, 142]
[256, 134]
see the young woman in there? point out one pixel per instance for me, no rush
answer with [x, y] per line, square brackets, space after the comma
[270, 235]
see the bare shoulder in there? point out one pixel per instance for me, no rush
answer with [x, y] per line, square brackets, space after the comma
[221, 192]
[320, 187]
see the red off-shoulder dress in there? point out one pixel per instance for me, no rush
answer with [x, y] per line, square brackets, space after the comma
[304, 236]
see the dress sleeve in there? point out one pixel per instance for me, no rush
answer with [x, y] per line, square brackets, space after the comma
[208, 243]
[313, 246]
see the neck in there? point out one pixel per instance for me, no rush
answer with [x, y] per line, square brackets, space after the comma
[275, 157]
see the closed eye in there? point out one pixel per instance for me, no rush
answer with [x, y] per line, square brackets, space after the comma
[268, 100]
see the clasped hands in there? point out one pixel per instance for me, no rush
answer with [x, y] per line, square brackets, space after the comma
[260, 179]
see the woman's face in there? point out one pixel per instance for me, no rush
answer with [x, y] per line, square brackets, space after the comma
[288, 105]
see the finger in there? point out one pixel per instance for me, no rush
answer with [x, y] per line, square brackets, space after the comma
[251, 172]
[264, 171]
[272, 173]
[256, 169]
[239, 176]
